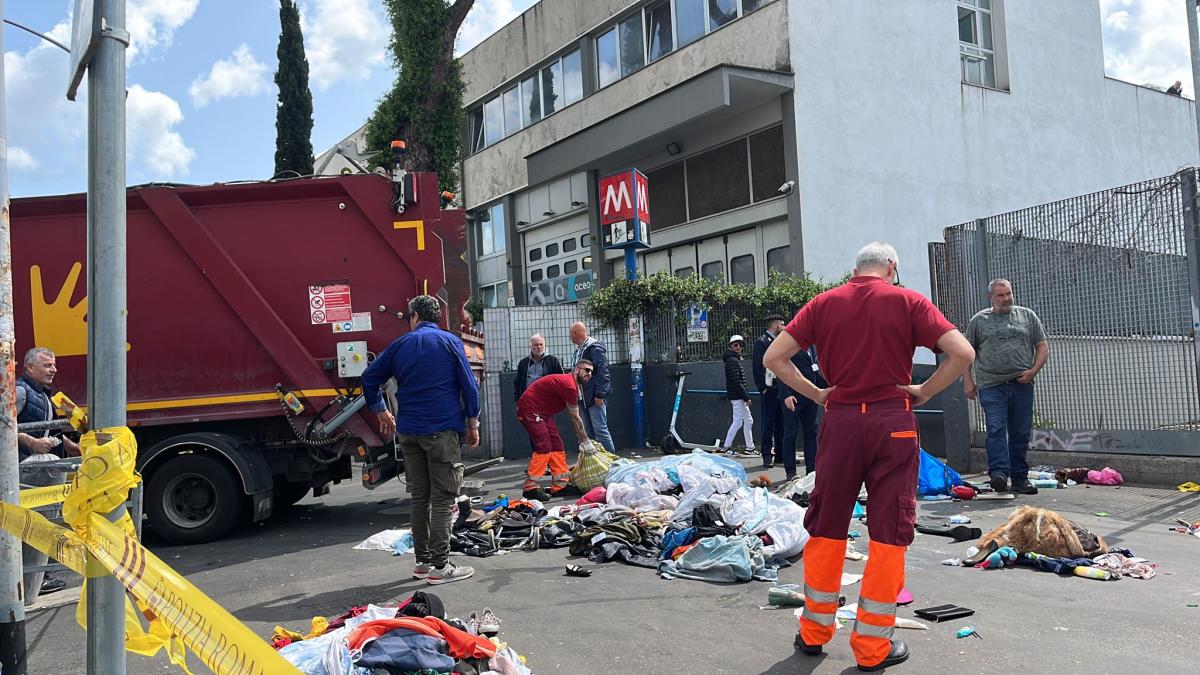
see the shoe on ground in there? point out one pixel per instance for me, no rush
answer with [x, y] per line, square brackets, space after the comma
[538, 494]
[810, 650]
[421, 570]
[51, 585]
[768, 465]
[898, 655]
[449, 573]
[1024, 487]
[999, 482]
[489, 623]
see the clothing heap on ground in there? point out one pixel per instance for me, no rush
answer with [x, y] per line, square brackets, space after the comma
[687, 516]
[412, 638]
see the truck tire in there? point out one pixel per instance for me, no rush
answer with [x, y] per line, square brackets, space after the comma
[193, 498]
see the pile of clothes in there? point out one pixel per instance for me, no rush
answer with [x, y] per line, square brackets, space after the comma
[413, 637]
[686, 516]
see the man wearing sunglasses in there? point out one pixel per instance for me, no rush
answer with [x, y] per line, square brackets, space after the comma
[545, 398]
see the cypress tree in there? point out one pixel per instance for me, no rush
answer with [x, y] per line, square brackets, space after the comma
[424, 106]
[293, 115]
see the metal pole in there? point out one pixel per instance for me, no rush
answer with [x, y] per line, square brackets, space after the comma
[106, 300]
[1191, 238]
[12, 607]
[637, 381]
[1194, 43]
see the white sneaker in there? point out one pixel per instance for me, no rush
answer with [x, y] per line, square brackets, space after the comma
[449, 573]
[421, 570]
[489, 623]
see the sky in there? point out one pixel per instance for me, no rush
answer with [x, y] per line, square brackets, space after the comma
[201, 104]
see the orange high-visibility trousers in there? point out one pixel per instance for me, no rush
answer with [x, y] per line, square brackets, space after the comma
[823, 560]
[560, 475]
[882, 582]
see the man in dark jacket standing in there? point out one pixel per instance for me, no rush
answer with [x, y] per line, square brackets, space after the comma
[594, 398]
[739, 396]
[537, 364]
[438, 405]
[798, 415]
[772, 431]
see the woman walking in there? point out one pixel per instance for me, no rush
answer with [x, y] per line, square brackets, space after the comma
[739, 396]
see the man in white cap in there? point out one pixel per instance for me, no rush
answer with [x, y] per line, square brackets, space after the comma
[739, 396]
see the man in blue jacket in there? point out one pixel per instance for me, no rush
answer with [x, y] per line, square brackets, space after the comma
[798, 415]
[594, 399]
[437, 404]
[772, 431]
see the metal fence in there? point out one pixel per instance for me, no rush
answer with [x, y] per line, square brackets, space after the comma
[668, 339]
[1113, 276]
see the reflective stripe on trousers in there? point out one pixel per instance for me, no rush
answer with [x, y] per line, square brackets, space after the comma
[875, 623]
[823, 560]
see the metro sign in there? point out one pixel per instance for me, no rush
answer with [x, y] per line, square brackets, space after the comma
[625, 210]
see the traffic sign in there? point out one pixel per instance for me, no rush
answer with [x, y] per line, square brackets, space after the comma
[85, 35]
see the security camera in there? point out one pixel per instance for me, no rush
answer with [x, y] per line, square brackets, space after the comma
[786, 188]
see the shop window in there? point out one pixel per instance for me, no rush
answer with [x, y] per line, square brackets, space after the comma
[741, 269]
[717, 180]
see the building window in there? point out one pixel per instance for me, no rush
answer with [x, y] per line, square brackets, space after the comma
[535, 254]
[587, 262]
[552, 87]
[721, 12]
[493, 121]
[491, 230]
[478, 141]
[585, 240]
[713, 271]
[668, 197]
[741, 269]
[633, 48]
[689, 21]
[551, 250]
[568, 245]
[684, 272]
[489, 296]
[571, 267]
[552, 272]
[777, 259]
[976, 43]
[717, 180]
[572, 78]
[751, 5]
[659, 30]
[531, 99]
[512, 111]
[607, 61]
[535, 275]
[767, 170]
[495, 295]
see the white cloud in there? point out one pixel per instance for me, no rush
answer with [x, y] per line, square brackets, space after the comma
[485, 18]
[152, 24]
[239, 75]
[151, 138]
[19, 158]
[1146, 42]
[343, 40]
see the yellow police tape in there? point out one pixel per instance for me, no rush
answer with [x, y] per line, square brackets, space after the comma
[179, 615]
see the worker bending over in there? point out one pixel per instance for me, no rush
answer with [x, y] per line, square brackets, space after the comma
[865, 331]
[545, 398]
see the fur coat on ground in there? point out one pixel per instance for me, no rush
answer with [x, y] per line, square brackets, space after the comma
[1031, 530]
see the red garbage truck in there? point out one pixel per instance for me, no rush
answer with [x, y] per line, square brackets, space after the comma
[253, 310]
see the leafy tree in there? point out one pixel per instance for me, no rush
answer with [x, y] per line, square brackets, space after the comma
[424, 106]
[293, 116]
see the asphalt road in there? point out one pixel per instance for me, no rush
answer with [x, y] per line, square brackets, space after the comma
[626, 620]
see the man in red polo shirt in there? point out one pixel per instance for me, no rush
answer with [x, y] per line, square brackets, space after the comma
[545, 398]
[866, 332]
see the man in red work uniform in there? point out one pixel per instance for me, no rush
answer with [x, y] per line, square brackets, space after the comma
[545, 398]
[866, 332]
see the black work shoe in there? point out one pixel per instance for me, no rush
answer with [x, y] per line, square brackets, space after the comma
[999, 482]
[811, 650]
[538, 494]
[898, 655]
[51, 585]
[1022, 486]
[768, 465]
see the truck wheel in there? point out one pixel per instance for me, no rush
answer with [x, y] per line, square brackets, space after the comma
[192, 499]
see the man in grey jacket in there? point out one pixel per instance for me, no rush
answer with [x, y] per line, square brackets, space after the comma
[594, 399]
[1011, 349]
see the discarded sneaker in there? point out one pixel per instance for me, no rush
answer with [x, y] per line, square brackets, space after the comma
[999, 482]
[811, 650]
[577, 571]
[1022, 486]
[421, 570]
[898, 655]
[51, 585]
[489, 623]
[536, 493]
[449, 573]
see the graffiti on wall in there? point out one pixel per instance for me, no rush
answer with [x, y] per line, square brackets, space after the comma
[1076, 441]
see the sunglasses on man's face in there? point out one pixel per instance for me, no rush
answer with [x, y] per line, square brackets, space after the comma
[585, 370]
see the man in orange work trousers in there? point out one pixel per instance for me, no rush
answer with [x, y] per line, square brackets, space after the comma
[866, 332]
[545, 398]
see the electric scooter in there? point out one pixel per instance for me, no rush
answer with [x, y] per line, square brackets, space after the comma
[672, 444]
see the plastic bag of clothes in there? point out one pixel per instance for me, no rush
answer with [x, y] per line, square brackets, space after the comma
[592, 466]
[934, 477]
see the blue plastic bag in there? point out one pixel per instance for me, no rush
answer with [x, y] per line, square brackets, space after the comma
[934, 477]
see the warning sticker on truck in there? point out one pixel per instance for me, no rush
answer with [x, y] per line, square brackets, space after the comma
[360, 321]
[329, 302]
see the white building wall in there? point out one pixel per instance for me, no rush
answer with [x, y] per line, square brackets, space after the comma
[893, 146]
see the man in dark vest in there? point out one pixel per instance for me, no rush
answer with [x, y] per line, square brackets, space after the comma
[34, 405]
[764, 380]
